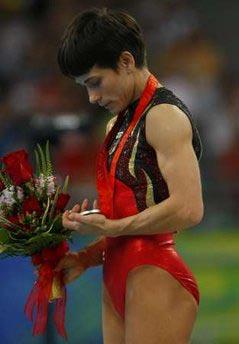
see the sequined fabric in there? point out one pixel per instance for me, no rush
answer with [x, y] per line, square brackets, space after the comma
[137, 166]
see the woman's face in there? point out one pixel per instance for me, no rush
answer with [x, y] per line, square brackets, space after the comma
[106, 87]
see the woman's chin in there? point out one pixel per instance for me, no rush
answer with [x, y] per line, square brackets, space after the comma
[114, 109]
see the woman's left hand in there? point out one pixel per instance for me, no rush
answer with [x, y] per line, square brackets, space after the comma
[87, 224]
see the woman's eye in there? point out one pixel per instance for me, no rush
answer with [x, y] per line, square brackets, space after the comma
[95, 83]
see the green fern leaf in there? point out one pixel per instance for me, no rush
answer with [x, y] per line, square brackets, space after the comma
[65, 186]
[38, 165]
[42, 160]
[48, 160]
[46, 211]
[5, 179]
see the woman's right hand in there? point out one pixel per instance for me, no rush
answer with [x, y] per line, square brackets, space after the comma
[77, 209]
[72, 265]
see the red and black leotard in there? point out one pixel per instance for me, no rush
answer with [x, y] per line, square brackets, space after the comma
[128, 181]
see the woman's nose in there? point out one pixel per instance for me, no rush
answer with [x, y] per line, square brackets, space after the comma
[94, 97]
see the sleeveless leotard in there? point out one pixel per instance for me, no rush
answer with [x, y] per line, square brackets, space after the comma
[128, 181]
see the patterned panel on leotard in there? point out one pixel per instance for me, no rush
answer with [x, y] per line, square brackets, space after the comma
[137, 166]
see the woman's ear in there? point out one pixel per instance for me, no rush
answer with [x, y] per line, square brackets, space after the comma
[126, 62]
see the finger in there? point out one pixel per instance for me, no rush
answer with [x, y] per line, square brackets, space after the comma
[76, 208]
[93, 219]
[75, 217]
[59, 267]
[65, 215]
[69, 224]
[67, 261]
[63, 264]
[65, 218]
[95, 204]
[85, 205]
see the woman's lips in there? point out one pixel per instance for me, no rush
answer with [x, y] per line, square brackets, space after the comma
[107, 105]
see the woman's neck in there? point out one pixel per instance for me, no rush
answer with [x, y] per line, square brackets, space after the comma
[139, 83]
[140, 80]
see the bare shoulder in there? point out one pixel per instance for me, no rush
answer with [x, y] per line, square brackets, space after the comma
[167, 126]
[110, 124]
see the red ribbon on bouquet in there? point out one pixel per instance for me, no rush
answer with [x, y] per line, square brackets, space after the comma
[43, 290]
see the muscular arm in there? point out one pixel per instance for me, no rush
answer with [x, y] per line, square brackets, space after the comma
[169, 132]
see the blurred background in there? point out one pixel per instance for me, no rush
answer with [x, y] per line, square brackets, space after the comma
[193, 50]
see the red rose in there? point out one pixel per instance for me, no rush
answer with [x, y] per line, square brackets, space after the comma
[14, 219]
[17, 220]
[18, 167]
[30, 205]
[62, 201]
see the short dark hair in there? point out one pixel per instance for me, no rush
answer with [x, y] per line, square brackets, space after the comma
[98, 37]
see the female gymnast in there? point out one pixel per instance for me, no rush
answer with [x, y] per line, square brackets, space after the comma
[148, 184]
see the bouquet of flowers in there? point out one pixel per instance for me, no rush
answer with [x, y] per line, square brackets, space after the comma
[31, 207]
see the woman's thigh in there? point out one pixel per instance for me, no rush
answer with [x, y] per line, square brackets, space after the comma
[113, 325]
[158, 308]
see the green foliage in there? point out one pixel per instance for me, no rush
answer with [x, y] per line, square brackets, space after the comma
[38, 166]
[4, 238]
[5, 179]
[65, 186]
[46, 212]
[16, 244]
[9, 224]
[48, 160]
[34, 245]
[19, 242]
[43, 161]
